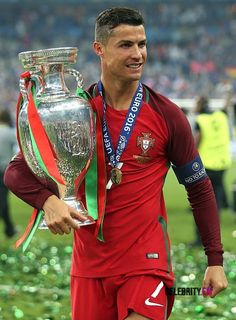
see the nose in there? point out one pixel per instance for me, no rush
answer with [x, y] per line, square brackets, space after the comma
[136, 52]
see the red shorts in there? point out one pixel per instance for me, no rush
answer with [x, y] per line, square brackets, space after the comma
[114, 298]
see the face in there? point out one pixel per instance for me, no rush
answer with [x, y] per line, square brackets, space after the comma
[125, 53]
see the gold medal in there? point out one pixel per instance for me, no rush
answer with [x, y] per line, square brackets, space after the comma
[116, 175]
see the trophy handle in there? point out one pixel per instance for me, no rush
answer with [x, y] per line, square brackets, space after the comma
[77, 75]
[23, 84]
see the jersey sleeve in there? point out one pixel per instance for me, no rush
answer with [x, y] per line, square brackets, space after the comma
[182, 151]
[202, 200]
[25, 185]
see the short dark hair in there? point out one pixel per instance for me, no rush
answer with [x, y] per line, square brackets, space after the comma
[203, 104]
[109, 19]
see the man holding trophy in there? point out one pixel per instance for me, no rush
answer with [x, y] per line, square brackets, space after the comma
[122, 271]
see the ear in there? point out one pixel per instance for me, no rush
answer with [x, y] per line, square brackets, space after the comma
[98, 48]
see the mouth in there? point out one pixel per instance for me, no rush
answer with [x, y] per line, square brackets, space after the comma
[134, 66]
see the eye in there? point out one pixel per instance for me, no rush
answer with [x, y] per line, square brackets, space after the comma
[142, 44]
[126, 45]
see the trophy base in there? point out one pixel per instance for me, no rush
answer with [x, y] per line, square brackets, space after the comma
[76, 204]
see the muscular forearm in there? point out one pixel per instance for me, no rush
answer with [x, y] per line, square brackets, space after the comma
[202, 200]
[22, 182]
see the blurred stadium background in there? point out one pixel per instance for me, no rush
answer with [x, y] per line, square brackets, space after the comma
[192, 47]
[191, 43]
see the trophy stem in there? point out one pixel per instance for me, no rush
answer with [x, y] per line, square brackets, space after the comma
[76, 204]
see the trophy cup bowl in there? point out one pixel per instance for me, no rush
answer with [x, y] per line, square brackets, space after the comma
[67, 120]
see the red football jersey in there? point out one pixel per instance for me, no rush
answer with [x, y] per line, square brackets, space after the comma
[135, 224]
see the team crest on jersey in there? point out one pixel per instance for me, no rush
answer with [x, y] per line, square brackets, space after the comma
[145, 143]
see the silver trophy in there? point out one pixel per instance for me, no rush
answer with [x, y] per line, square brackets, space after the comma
[67, 119]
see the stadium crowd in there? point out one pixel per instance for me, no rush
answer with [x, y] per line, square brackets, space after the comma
[191, 44]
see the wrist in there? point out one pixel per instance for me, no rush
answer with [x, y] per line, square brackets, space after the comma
[48, 202]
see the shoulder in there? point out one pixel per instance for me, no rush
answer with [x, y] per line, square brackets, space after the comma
[162, 104]
[167, 109]
[181, 148]
[220, 113]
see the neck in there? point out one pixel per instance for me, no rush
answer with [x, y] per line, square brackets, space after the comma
[119, 94]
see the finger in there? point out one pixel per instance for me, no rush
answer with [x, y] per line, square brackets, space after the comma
[80, 216]
[64, 226]
[207, 291]
[54, 229]
[86, 220]
[77, 214]
[67, 223]
[217, 289]
[68, 229]
[74, 223]
[51, 227]
[206, 288]
[57, 227]
[59, 230]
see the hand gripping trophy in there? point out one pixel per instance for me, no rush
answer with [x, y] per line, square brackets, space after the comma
[55, 128]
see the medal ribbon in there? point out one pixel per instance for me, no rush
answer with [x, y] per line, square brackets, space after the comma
[128, 125]
[95, 179]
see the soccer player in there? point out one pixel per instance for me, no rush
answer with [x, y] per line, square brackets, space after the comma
[125, 276]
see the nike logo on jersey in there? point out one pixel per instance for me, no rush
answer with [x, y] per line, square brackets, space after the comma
[154, 295]
[149, 303]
